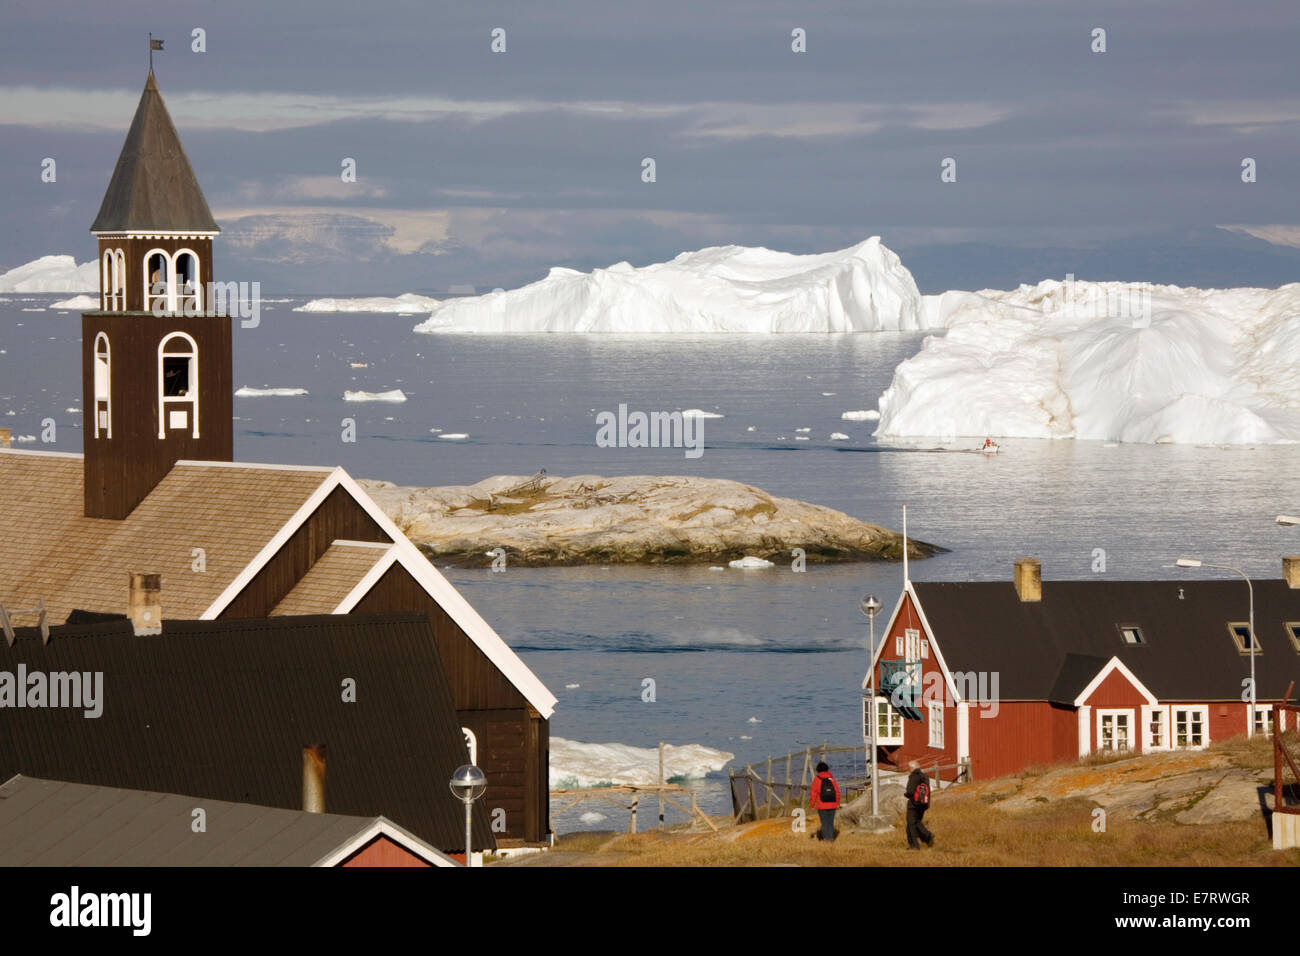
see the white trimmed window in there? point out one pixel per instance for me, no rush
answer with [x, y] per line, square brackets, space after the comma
[925, 649]
[1264, 719]
[159, 280]
[189, 283]
[912, 645]
[1293, 632]
[936, 724]
[103, 384]
[1191, 726]
[1114, 729]
[888, 721]
[113, 281]
[1155, 728]
[178, 385]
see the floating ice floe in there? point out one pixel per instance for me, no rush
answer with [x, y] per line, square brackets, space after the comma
[246, 391]
[700, 413]
[394, 395]
[408, 303]
[453, 436]
[721, 289]
[750, 563]
[575, 764]
[591, 817]
[78, 302]
[838, 436]
[867, 415]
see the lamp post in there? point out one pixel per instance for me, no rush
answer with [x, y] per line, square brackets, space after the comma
[468, 784]
[870, 605]
[1194, 563]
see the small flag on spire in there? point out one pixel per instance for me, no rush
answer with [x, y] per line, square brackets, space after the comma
[155, 44]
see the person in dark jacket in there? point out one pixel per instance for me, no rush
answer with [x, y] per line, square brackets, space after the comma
[917, 792]
[825, 800]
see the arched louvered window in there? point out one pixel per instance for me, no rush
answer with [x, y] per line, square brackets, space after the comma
[178, 385]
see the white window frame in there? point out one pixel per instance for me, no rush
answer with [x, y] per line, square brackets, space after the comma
[1263, 710]
[1240, 644]
[1175, 711]
[1148, 715]
[102, 398]
[935, 721]
[893, 721]
[184, 295]
[169, 280]
[1292, 629]
[190, 400]
[925, 649]
[912, 645]
[1114, 712]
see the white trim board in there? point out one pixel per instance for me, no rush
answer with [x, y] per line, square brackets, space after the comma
[402, 551]
[1115, 664]
[382, 826]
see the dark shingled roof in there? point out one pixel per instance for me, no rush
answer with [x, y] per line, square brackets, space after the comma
[1041, 650]
[153, 185]
[55, 823]
[222, 709]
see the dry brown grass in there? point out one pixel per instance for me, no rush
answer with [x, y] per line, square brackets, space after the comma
[970, 831]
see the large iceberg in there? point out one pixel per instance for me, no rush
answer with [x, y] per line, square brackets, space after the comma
[52, 274]
[574, 764]
[1106, 361]
[722, 289]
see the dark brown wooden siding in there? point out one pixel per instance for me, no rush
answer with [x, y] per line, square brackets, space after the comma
[513, 739]
[120, 471]
[338, 517]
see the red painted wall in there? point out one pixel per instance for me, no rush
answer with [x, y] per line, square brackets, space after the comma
[1022, 734]
[382, 851]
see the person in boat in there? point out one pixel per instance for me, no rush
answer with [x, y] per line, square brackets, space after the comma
[989, 444]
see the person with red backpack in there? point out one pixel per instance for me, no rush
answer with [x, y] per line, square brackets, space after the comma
[917, 792]
[825, 800]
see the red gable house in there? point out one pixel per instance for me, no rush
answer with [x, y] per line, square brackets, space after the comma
[991, 677]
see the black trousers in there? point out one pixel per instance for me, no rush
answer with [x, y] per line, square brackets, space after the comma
[917, 832]
[828, 825]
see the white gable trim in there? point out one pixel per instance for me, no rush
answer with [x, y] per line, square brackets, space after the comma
[400, 550]
[1115, 664]
[272, 547]
[934, 645]
[368, 580]
[454, 603]
[382, 826]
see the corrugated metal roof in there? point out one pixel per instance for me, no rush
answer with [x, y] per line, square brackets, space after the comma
[1187, 654]
[56, 823]
[221, 709]
[153, 186]
[52, 552]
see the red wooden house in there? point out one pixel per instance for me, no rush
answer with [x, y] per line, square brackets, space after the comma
[986, 678]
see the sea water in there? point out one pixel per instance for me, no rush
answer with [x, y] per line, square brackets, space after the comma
[755, 662]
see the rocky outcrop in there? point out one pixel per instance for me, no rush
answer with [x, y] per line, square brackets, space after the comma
[587, 519]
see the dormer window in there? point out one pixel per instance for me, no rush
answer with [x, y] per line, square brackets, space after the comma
[1293, 632]
[1132, 634]
[103, 411]
[1240, 632]
[178, 385]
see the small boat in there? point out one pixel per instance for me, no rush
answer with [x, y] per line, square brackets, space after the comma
[360, 364]
[990, 447]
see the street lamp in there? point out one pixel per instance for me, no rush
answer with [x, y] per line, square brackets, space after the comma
[1194, 563]
[468, 784]
[870, 605]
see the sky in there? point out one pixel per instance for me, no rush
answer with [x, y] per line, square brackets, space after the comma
[478, 168]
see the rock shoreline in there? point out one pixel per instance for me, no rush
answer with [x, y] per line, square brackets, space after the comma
[639, 519]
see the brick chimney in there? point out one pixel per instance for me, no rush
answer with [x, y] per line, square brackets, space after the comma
[1028, 578]
[1291, 570]
[313, 778]
[144, 605]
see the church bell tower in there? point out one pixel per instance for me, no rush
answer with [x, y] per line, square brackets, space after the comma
[156, 357]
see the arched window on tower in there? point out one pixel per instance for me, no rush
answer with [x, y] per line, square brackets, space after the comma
[119, 259]
[103, 385]
[178, 385]
[108, 282]
[159, 280]
[188, 281]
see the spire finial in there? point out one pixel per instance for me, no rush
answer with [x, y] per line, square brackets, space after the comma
[153, 45]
